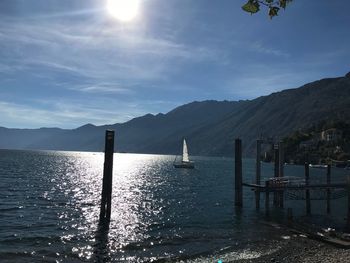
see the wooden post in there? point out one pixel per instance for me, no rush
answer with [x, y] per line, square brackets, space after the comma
[328, 189]
[276, 174]
[289, 214]
[267, 197]
[281, 159]
[238, 174]
[106, 199]
[258, 173]
[348, 188]
[281, 171]
[307, 191]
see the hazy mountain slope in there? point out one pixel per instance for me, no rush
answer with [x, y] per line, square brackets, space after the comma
[281, 113]
[24, 138]
[153, 133]
[209, 126]
[84, 138]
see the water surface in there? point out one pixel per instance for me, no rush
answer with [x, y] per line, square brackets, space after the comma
[49, 208]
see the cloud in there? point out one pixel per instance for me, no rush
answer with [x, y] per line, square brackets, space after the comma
[103, 88]
[96, 50]
[106, 72]
[64, 115]
[5, 68]
[260, 48]
[72, 113]
[258, 80]
[91, 61]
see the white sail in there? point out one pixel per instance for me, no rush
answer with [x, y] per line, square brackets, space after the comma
[185, 152]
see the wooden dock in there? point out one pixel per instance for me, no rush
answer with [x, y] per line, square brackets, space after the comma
[301, 188]
[272, 188]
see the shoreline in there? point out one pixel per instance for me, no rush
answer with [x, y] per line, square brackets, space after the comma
[299, 249]
[293, 246]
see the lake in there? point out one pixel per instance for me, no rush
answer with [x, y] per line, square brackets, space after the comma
[49, 209]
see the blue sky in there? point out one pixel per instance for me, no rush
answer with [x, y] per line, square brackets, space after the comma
[66, 63]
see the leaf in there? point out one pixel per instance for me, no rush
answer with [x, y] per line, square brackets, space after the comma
[283, 4]
[273, 11]
[251, 7]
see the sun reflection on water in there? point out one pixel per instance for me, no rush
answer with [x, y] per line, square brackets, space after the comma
[132, 198]
[133, 206]
[51, 203]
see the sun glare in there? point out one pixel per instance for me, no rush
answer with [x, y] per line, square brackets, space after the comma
[123, 10]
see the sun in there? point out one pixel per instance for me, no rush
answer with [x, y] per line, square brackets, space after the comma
[123, 10]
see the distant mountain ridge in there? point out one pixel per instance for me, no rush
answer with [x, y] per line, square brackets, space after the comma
[210, 127]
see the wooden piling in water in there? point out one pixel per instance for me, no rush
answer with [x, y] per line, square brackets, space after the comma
[258, 173]
[238, 174]
[307, 191]
[281, 171]
[267, 197]
[276, 174]
[281, 159]
[348, 188]
[289, 215]
[328, 189]
[106, 197]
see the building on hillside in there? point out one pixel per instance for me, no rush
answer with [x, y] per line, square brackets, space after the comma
[331, 135]
[309, 144]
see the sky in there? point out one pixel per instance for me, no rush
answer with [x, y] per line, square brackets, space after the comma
[65, 63]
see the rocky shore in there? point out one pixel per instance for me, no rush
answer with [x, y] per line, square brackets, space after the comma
[300, 249]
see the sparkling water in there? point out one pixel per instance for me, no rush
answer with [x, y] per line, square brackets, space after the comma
[49, 209]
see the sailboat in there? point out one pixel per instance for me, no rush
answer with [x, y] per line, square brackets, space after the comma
[185, 163]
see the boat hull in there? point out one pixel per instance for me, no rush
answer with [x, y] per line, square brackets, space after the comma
[319, 166]
[184, 165]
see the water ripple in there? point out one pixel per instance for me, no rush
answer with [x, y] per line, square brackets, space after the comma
[49, 209]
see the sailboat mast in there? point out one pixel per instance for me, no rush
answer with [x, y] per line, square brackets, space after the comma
[185, 152]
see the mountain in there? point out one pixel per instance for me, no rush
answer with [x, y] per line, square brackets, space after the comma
[281, 113]
[25, 138]
[209, 126]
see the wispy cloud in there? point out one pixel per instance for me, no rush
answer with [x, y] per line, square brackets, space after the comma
[64, 65]
[103, 88]
[92, 62]
[259, 80]
[260, 48]
[65, 115]
[74, 113]
[88, 51]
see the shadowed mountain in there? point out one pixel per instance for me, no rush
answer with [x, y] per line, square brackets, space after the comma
[210, 127]
[25, 138]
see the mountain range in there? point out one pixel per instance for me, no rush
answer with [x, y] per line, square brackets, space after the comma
[210, 127]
